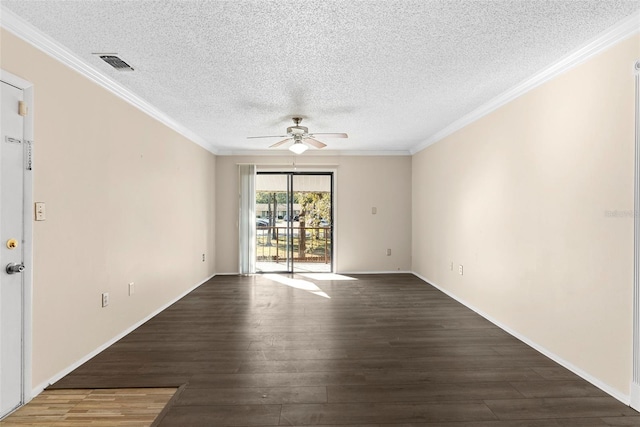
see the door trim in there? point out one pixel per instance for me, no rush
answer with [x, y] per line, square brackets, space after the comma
[27, 297]
[635, 378]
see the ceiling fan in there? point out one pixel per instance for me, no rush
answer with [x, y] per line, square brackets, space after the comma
[301, 137]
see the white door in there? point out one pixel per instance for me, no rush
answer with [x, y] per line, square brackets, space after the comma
[12, 166]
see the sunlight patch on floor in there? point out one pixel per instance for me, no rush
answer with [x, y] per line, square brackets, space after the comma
[304, 285]
[326, 276]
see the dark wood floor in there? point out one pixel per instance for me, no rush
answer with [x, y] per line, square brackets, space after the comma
[383, 350]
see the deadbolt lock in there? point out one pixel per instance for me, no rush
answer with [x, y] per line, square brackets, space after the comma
[14, 268]
[12, 243]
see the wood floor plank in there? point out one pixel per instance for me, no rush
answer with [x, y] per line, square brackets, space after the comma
[457, 374]
[385, 362]
[622, 421]
[280, 379]
[222, 415]
[252, 396]
[352, 413]
[569, 407]
[105, 379]
[428, 392]
[571, 388]
[554, 373]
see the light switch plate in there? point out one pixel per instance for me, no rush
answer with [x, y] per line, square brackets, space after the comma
[40, 211]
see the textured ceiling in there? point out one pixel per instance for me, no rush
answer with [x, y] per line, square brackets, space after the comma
[389, 73]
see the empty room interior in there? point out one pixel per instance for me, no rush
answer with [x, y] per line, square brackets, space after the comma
[411, 213]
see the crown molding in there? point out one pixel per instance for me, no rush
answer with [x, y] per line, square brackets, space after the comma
[622, 30]
[20, 28]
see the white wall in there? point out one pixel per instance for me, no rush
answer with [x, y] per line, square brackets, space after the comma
[360, 184]
[128, 200]
[520, 198]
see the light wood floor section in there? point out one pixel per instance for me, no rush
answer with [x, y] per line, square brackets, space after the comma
[96, 408]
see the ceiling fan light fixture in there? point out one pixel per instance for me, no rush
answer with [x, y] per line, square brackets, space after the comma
[299, 133]
[298, 147]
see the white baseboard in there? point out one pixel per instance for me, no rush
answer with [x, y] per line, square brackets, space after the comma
[635, 396]
[559, 360]
[375, 272]
[40, 387]
[337, 272]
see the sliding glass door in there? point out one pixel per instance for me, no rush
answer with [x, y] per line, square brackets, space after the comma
[294, 222]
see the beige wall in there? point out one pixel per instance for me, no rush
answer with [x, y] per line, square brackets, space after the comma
[361, 183]
[520, 199]
[128, 200]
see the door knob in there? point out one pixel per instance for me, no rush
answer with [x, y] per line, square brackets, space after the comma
[13, 268]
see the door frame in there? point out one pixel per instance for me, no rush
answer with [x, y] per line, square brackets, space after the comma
[317, 170]
[635, 375]
[27, 274]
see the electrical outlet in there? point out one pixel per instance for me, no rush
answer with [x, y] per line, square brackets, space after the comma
[131, 288]
[460, 269]
[105, 299]
[202, 257]
[388, 252]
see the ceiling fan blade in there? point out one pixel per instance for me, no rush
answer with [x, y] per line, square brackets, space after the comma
[269, 136]
[277, 144]
[331, 135]
[315, 143]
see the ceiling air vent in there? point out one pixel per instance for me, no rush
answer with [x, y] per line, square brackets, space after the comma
[116, 62]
